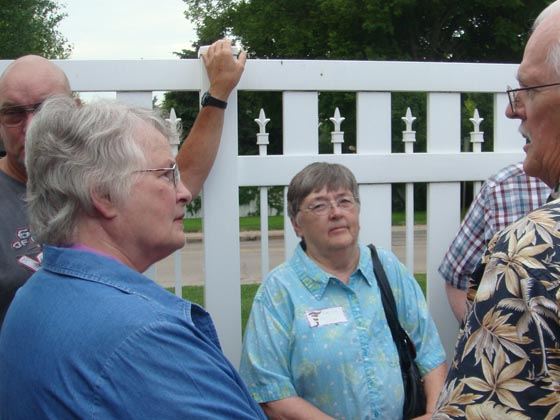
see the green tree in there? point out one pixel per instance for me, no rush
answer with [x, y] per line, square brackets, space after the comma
[417, 30]
[426, 30]
[30, 27]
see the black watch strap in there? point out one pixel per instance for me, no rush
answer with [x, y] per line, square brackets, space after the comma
[209, 100]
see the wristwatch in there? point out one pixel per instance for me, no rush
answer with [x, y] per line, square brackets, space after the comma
[209, 100]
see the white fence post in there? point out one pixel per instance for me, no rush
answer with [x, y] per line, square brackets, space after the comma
[373, 135]
[409, 138]
[222, 293]
[443, 208]
[477, 138]
[301, 137]
[262, 142]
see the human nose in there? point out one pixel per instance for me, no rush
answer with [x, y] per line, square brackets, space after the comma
[516, 106]
[334, 208]
[517, 112]
[183, 193]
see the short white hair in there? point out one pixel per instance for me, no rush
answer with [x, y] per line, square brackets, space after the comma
[73, 150]
[553, 54]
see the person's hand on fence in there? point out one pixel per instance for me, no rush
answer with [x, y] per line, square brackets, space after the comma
[223, 68]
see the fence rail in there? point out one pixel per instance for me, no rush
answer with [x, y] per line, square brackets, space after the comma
[442, 166]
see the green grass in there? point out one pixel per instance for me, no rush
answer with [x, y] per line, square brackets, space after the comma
[196, 294]
[277, 222]
[421, 279]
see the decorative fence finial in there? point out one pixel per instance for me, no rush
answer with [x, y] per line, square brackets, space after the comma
[337, 136]
[409, 135]
[176, 126]
[262, 135]
[477, 136]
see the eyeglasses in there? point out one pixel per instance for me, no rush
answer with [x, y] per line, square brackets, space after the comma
[12, 116]
[512, 93]
[172, 174]
[322, 207]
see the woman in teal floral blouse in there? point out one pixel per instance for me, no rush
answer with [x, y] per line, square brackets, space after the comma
[317, 343]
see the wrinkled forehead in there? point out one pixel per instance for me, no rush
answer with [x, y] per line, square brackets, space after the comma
[327, 191]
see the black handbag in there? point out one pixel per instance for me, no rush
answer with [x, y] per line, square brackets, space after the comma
[414, 395]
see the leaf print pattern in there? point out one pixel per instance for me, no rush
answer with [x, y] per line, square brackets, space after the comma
[492, 411]
[506, 360]
[494, 332]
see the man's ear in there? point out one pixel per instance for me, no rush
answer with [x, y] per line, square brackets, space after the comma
[103, 204]
[77, 99]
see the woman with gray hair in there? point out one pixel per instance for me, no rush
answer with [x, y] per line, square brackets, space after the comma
[317, 343]
[88, 336]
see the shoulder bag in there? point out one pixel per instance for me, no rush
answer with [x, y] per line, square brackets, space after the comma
[414, 396]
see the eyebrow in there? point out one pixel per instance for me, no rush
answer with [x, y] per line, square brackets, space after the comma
[325, 197]
[9, 105]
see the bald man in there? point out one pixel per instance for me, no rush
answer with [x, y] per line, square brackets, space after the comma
[31, 79]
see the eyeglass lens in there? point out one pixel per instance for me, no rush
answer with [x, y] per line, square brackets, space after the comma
[15, 115]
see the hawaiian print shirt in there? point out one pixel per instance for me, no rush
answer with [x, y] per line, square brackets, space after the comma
[507, 359]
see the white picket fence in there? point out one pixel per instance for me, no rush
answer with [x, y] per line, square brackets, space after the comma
[375, 167]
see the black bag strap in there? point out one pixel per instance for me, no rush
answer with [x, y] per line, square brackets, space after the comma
[405, 346]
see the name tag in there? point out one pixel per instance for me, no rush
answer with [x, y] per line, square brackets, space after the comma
[322, 317]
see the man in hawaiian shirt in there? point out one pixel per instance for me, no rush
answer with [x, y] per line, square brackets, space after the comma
[507, 361]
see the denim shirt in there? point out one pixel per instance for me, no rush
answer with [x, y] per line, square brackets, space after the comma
[88, 337]
[313, 336]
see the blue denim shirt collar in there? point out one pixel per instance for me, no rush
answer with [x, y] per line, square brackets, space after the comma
[317, 280]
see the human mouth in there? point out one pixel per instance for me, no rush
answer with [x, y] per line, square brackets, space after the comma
[337, 229]
[524, 135]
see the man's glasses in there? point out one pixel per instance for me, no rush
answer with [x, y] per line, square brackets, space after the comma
[322, 207]
[12, 116]
[172, 174]
[512, 93]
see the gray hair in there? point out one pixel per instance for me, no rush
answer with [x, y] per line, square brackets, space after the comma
[315, 177]
[553, 54]
[73, 150]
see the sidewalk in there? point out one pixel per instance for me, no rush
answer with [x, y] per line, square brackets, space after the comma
[249, 235]
[255, 235]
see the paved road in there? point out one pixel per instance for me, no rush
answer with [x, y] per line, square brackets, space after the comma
[192, 258]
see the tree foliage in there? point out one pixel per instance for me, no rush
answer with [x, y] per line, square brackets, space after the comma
[30, 27]
[409, 30]
[420, 30]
